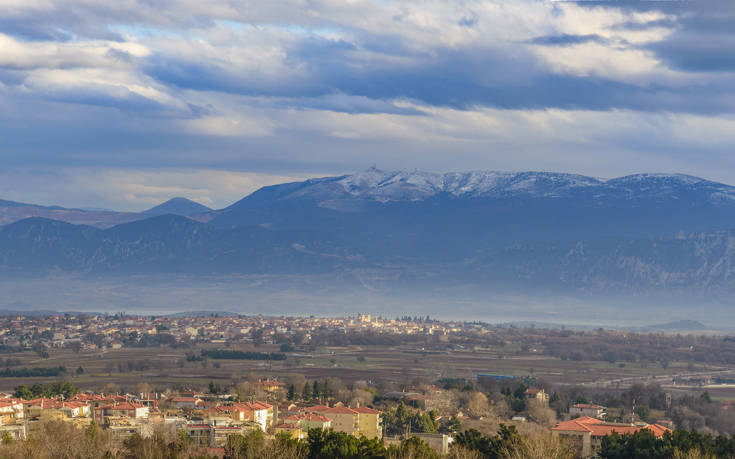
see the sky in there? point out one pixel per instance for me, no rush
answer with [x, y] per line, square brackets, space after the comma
[124, 104]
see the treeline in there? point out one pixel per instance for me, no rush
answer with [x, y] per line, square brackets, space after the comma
[327, 444]
[612, 346]
[242, 355]
[589, 345]
[400, 419]
[679, 443]
[39, 372]
[128, 366]
[10, 362]
[63, 388]
[310, 391]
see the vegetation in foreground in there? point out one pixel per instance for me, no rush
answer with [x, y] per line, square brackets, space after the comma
[58, 439]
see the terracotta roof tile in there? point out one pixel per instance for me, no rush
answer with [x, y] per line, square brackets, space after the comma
[597, 428]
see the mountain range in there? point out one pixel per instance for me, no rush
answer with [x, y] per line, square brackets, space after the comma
[538, 232]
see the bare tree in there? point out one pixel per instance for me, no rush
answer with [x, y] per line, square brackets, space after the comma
[477, 405]
[539, 445]
[540, 413]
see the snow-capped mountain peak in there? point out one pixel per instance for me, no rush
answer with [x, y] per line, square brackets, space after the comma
[402, 185]
[384, 186]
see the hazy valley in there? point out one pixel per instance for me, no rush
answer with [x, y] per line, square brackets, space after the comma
[497, 244]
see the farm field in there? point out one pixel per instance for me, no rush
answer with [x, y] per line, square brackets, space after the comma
[385, 365]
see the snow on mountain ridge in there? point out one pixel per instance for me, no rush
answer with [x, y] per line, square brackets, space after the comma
[374, 183]
[384, 186]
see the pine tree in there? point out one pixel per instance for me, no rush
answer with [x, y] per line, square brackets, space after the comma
[306, 393]
[291, 392]
[316, 391]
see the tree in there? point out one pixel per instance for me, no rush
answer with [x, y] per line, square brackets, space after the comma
[249, 446]
[41, 349]
[80, 371]
[539, 445]
[306, 393]
[412, 448]
[7, 438]
[454, 424]
[111, 388]
[23, 392]
[477, 405]
[489, 446]
[641, 444]
[333, 445]
[57, 439]
[540, 412]
[143, 389]
[214, 389]
[291, 392]
[316, 393]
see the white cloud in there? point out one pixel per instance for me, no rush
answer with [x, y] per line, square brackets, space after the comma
[235, 126]
[132, 189]
[336, 85]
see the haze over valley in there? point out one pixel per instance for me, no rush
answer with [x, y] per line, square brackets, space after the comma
[481, 244]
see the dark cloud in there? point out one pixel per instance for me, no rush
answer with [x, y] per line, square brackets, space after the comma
[465, 78]
[698, 52]
[329, 65]
[566, 39]
[703, 37]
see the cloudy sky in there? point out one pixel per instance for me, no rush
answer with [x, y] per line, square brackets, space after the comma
[122, 104]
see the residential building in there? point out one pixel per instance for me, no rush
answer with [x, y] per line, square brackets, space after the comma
[306, 421]
[370, 422]
[586, 433]
[344, 419]
[587, 410]
[537, 394]
[293, 430]
[121, 410]
[185, 402]
[258, 412]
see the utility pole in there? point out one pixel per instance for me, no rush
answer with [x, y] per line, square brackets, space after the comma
[632, 414]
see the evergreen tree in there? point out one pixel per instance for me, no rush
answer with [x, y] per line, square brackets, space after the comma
[306, 393]
[316, 392]
[291, 392]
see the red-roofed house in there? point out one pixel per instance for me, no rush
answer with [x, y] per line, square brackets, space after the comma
[127, 410]
[10, 409]
[586, 433]
[52, 406]
[293, 430]
[258, 412]
[219, 415]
